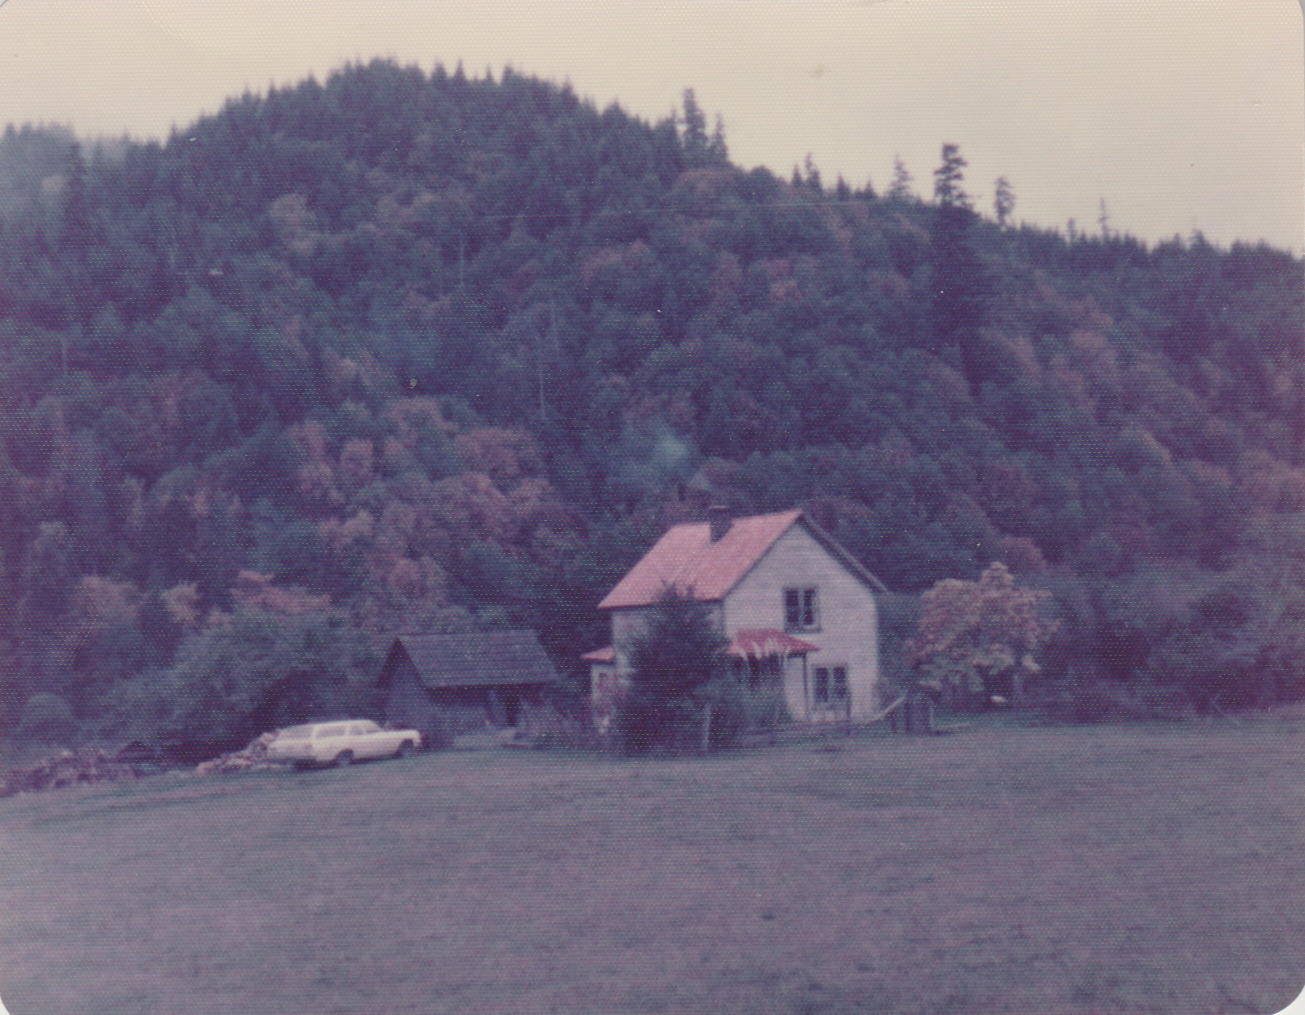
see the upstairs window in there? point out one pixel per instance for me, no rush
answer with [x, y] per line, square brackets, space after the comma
[800, 610]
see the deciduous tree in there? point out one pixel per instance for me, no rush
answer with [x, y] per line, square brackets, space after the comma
[252, 674]
[978, 638]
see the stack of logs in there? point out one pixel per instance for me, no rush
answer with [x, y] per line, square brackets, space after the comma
[74, 768]
[67, 768]
[252, 758]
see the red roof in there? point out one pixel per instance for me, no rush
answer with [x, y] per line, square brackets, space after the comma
[687, 560]
[761, 642]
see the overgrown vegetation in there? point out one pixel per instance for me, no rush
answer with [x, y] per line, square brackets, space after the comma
[676, 679]
[977, 640]
[400, 350]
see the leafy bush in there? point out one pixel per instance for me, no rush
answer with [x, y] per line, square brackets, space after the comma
[737, 709]
[978, 638]
[1091, 701]
[47, 718]
[548, 727]
[235, 681]
[642, 724]
[437, 732]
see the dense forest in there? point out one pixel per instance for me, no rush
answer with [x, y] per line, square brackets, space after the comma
[407, 351]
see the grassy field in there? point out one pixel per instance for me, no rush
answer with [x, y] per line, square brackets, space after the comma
[1048, 870]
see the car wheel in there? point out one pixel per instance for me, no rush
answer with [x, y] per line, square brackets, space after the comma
[344, 759]
[405, 748]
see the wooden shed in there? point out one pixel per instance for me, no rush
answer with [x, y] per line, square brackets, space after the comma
[440, 683]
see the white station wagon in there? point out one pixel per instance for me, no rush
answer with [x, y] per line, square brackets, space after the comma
[340, 743]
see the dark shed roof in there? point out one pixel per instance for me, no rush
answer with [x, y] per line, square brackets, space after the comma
[477, 659]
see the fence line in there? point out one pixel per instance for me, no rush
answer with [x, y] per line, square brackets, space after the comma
[797, 732]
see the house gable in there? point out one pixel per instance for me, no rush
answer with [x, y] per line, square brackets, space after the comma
[822, 582]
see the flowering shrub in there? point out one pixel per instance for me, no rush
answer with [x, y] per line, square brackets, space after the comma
[979, 638]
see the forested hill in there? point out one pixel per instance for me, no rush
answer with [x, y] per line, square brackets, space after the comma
[423, 351]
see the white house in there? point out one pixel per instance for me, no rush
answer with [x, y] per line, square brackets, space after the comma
[799, 610]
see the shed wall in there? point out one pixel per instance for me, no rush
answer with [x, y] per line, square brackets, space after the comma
[408, 703]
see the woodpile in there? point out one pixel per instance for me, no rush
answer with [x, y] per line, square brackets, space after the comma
[252, 758]
[67, 768]
[74, 768]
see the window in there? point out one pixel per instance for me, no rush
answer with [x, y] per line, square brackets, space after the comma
[830, 685]
[800, 613]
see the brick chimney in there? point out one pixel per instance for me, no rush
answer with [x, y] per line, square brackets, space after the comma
[718, 517]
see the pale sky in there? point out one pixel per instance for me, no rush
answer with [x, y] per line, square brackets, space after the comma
[1180, 114]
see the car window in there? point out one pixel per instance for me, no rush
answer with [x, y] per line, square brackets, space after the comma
[331, 731]
[296, 732]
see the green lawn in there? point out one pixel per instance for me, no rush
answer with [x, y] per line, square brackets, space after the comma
[1147, 869]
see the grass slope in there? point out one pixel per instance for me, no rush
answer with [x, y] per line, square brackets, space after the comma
[1042, 870]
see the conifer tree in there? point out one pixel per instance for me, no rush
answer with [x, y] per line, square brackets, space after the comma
[900, 188]
[694, 137]
[947, 179]
[677, 656]
[1003, 201]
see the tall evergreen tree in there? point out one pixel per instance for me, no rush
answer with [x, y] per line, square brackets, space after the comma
[700, 148]
[1003, 201]
[900, 187]
[948, 177]
[959, 280]
[677, 656]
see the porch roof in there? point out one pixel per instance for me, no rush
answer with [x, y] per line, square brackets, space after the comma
[756, 643]
[760, 642]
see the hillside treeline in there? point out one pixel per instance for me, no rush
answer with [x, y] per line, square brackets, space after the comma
[410, 351]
